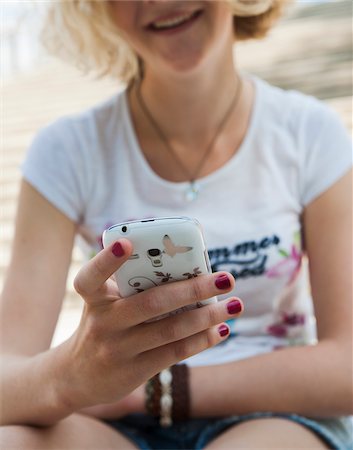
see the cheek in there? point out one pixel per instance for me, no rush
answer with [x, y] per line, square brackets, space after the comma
[124, 15]
[224, 25]
[222, 14]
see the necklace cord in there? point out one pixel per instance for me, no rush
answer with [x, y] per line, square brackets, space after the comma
[192, 177]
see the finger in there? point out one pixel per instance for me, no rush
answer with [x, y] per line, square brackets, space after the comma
[167, 298]
[175, 328]
[93, 275]
[175, 352]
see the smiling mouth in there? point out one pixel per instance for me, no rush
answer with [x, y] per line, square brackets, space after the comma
[175, 22]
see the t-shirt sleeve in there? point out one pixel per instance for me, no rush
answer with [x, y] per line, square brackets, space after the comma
[54, 166]
[326, 152]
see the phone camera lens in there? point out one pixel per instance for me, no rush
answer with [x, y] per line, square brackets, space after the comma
[124, 229]
[154, 252]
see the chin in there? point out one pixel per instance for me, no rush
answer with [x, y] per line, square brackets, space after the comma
[186, 64]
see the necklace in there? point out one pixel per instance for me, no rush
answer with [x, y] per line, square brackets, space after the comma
[193, 189]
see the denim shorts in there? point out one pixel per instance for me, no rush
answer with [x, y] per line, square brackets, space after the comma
[145, 432]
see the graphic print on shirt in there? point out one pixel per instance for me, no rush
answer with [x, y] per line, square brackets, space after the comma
[244, 259]
[253, 258]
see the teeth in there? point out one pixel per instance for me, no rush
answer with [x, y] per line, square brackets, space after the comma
[172, 22]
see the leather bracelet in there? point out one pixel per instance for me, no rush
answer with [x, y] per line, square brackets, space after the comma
[181, 394]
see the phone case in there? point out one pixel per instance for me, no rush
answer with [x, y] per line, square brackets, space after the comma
[164, 250]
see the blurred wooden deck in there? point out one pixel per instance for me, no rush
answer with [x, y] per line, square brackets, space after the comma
[310, 50]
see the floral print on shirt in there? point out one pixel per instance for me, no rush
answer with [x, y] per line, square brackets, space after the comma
[291, 262]
[289, 322]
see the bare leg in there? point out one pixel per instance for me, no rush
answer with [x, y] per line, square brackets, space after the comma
[265, 434]
[76, 432]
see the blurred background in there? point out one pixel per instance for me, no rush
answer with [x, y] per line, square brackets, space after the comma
[310, 49]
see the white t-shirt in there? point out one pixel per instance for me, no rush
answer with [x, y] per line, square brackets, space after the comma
[90, 166]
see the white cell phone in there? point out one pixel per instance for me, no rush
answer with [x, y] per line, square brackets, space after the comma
[165, 250]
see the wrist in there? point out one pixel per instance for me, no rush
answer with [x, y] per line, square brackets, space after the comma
[136, 401]
[63, 395]
[68, 390]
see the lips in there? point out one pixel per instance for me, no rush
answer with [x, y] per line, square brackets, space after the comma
[174, 21]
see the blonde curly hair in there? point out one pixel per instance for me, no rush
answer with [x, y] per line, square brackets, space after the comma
[70, 33]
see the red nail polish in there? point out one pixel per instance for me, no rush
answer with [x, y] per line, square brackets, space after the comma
[223, 330]
[223, 282]
[118, 250]
[234, 306]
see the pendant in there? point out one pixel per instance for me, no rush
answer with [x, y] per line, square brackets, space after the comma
[192, 191]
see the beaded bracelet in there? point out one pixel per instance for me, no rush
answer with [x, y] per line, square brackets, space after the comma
[167, 395]
[166, 398]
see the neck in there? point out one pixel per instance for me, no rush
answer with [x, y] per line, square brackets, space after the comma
[199, 99]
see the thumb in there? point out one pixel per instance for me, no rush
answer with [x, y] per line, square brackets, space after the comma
[93, 275]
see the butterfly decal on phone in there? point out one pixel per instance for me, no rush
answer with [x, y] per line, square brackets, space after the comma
[171, 249]
[155, 255]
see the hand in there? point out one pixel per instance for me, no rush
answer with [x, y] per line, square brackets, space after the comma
[114, 350]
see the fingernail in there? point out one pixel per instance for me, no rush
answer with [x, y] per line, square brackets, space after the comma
[223, 282]
[234, 306]
[117, 249]
[223, 330]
